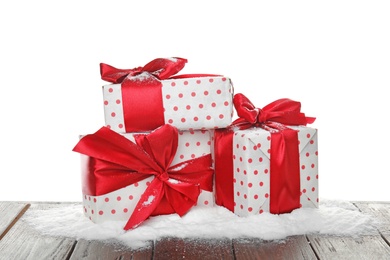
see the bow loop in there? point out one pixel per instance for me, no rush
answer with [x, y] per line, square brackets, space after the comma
[115, 75]
[160, 68]
[245, 108]
[161, 147]
[165, 68]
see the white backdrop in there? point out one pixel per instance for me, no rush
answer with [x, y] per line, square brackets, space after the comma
[333, 56]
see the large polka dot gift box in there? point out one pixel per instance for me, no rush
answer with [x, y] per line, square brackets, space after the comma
[262, 165]
[145, 100]
[120, 179]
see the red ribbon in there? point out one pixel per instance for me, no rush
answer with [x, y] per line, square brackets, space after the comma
[284, 157]
[141, 91]
[116, 162]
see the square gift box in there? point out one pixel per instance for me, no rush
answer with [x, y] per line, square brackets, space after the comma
[144, 98]
[119, 202]
[243, 185]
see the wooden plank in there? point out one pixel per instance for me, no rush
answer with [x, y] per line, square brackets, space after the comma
[386, 236]
[10, 213]
[380, 210]
[108, 250]
[24, 242]
[177, 248]
[363, 247]
[292, 248]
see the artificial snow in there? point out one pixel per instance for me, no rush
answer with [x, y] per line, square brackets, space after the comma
[140, 77]
[178, 168]
[332, 217]
[149, 201]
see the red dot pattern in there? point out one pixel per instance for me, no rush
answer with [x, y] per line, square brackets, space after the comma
[252, 172]
[198, 103]
[119, 204]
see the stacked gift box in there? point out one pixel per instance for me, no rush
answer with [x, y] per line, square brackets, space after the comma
[170, 143]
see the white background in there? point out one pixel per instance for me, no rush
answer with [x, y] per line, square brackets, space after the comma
[333, 56]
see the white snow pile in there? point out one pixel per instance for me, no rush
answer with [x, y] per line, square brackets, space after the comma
[332, 217]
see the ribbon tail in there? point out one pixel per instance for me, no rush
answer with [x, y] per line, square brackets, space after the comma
[181, 196]
[147, 204]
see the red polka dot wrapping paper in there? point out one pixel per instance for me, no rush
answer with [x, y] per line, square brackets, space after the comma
[119, 204]
[188, 103]
[251, 169]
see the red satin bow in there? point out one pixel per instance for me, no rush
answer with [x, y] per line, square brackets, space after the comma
[161, 68]
[119, 162]
[284, 111]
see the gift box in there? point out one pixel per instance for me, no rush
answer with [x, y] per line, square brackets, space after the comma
[145, 98]
[129, 177]
[262, 165]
